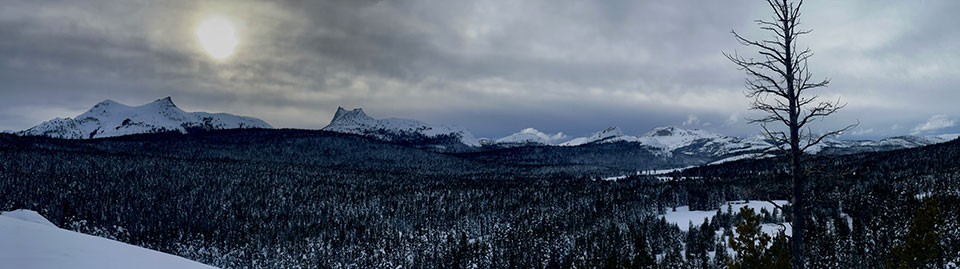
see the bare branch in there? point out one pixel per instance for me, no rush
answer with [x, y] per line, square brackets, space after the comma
[828, 134]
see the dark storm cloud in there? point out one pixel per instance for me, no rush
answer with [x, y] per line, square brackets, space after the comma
[495, 67]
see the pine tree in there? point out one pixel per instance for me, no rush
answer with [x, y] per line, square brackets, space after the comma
[641, 252]
[779, 254]
[720, 257]
[750, 242]
[921, 248]
[707, 233]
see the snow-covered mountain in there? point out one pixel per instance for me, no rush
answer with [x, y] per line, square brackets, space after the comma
[28, 240]
[521, 138]
[898, 142]
[393, 129]
[109, 118]
[667, 141]
[671, 138]
[611, 134]
[525, 137]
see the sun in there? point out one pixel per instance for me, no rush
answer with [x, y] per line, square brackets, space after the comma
[217, 36]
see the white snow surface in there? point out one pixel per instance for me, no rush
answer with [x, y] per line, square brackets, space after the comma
[27, 240]
[27, 215]
[356, 122]
[109, 118]
[683, 216]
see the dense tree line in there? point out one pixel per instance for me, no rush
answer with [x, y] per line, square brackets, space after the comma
[252, 199]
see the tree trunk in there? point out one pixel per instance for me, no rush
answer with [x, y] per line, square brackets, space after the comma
[798, 208]
[795, 152]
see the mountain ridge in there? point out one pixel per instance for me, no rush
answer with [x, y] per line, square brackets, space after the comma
[109, 118]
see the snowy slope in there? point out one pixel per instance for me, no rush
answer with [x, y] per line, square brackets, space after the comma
[611, 134]
[356, 122]
[27, 240]
[109, 118]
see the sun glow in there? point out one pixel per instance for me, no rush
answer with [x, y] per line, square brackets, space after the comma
[217, 37]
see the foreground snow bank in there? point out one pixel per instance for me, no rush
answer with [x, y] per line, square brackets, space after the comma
[27, 240]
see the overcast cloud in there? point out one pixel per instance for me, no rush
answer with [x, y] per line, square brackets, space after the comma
[494, 67]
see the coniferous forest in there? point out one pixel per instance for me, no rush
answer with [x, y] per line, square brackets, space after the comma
[315, 199]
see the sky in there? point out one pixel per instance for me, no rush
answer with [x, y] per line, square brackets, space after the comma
[493, 67]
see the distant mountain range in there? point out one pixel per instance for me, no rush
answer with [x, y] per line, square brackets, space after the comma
[109, 118]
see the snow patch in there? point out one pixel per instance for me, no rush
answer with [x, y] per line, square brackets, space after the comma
[683, 215]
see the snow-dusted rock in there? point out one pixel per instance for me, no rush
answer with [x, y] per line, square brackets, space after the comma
[109, 118]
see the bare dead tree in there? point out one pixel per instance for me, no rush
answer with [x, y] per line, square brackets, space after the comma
[779, 81]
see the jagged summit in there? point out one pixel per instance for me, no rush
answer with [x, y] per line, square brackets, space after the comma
[164, 102]
[110, 118]
[357, 122]
[355, 114]
[611, 131]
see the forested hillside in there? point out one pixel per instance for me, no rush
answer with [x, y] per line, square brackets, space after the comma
[272, 198]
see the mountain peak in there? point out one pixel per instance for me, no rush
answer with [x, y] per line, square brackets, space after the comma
[612, 130]
[106, 102]
[343, 114]
[356, 122]
[663, 131]
[609, 134]
[164, 102]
